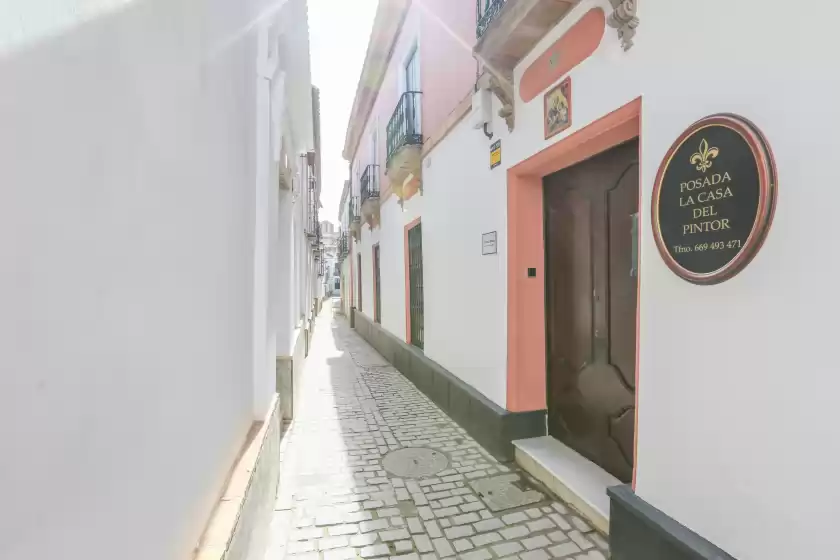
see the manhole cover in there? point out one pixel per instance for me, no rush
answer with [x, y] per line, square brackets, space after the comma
[505, 492]
[415, 462]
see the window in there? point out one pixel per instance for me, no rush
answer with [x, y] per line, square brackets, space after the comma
[411, 83]
[412, 72]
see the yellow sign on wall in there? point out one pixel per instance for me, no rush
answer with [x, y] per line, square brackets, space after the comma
[495, 154]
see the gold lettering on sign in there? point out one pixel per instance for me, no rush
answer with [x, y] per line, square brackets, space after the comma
[702, 227]
[712, 188]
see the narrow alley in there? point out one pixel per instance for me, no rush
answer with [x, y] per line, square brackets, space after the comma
[371, 468]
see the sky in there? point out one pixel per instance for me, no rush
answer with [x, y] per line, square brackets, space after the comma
[338, 33]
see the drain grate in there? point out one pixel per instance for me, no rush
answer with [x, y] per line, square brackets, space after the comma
[415, 462]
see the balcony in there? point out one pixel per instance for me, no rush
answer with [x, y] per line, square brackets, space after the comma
[370, 194]
[343, 246]
[319, 258]
[506, 31]
[355, 217]
[405, 142]
[488, 9]
[313, 226]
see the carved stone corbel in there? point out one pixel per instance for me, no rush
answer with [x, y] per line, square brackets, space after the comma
[623, 18]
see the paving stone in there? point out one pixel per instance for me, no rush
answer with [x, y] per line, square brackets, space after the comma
[343, 530]
[513, 518]
[488, 525]
[458, 531]
[540, 524]
[443, 547]
[423, 543]
[433, 529]
[462, 544]
[332, 542]
[363, 540]
[564, 550]
[557, 536]
[375, 525]
[515, 532]
[504, 549]
[357, 414]
[535, 555]
[465, 518]
[536, 542]
[476, 555]
[340, 554]
[486, 538]
[560, 521]
[393, 535]
[414, 525]
[580, 540]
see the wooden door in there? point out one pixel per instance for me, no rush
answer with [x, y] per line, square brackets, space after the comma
[591, 212]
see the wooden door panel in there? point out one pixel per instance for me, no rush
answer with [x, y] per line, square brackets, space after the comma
[591, 306]
[572, 284]
[623, 201]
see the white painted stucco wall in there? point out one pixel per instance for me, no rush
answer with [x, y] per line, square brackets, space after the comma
[465, 292]
[127, 233]
[737, 431]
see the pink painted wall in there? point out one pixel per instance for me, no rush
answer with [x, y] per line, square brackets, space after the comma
[444, 33]
[448, 69]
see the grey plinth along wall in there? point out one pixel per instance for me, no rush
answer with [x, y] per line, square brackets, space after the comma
[489, 424]
[639, 531]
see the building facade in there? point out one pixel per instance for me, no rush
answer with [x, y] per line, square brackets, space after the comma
[330, 274]
[155, 178]
[513, 163]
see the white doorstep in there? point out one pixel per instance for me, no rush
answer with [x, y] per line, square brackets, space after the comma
[575, 479]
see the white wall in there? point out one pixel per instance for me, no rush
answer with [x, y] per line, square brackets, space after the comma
[127, 240]
[464, 291]
[737, 428]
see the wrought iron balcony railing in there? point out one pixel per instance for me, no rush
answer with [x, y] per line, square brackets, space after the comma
[487, 12]
[370, 183]
[343, 246]
[404, 126]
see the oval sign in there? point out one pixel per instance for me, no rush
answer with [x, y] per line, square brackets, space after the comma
[714, 198]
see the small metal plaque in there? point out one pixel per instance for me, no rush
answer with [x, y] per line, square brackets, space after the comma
[415, 462]
[505, 492]
[489, 246]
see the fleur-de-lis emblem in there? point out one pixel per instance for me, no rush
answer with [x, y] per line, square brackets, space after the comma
[703, 158]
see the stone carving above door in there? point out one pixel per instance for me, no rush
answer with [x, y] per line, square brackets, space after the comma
[623, 19]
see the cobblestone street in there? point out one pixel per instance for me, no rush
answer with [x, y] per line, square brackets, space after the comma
[373, 469]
